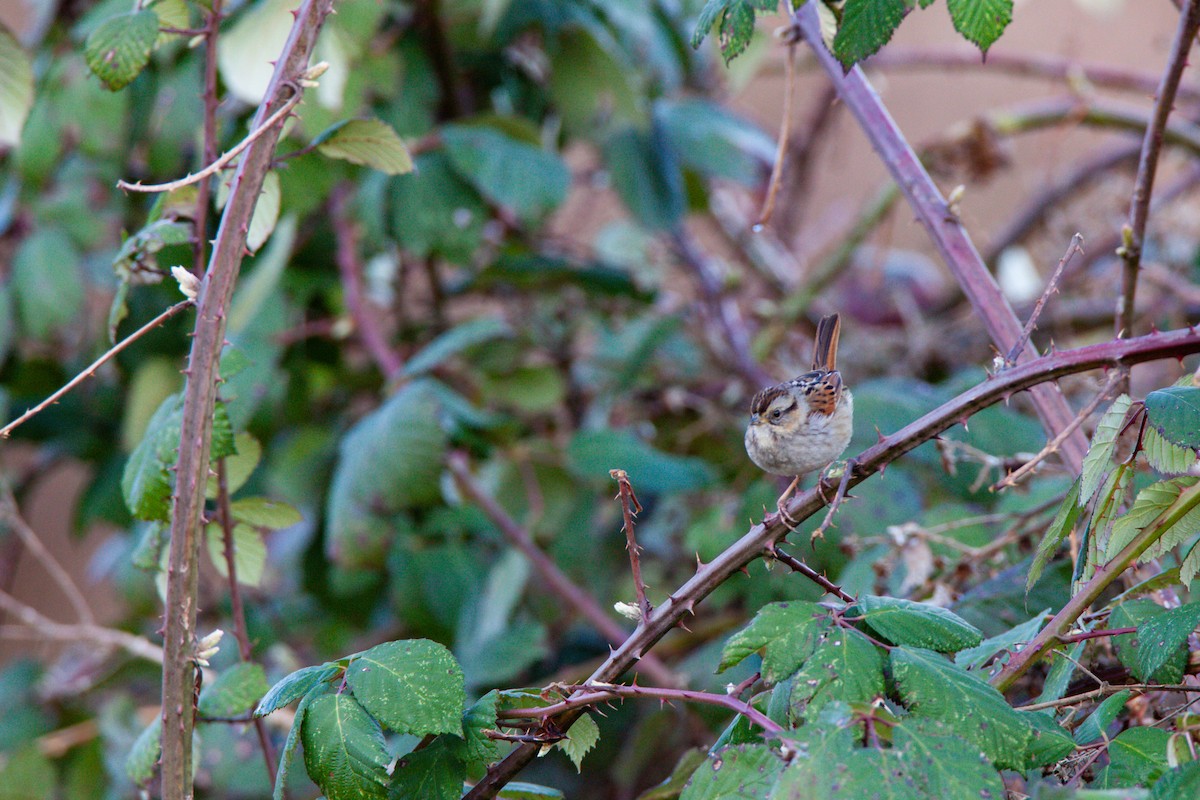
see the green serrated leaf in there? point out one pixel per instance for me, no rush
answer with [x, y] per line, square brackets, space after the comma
[1190, 565]
[736, 29]
[1175, 413]
[16, 89]
[788, 633]
[1061, 670]
[917, 624]
[1160, 636]
[1105, 508]
[1096, 725]
[846, 668]
[224, 444]
[1166, 457]
[249, 552]
[941, 763]
[478, 749]
[143, 756]
[581, 738]
[1150, 503]
[1134, 613]
[234, 692]
[1050, 744]
[1058, 530]
[431, 773]
[260, 512]
[980, 21]
[370, 142]
[294, 686]
[859, 773]
[454, 341]
[933, 687]
[747, 770]
[344, 750]
[118, 50]
[977, 656]
[1172, 506]
[1137, 757]
[389, 461]
[1181, 782]
[1098, 461]
[707, 18]
[293, 737]
[527, 180]
[867, 25]
[412, 686]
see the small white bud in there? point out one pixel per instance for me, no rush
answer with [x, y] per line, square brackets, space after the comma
[627, 610]
[189, 284]
[208, 647]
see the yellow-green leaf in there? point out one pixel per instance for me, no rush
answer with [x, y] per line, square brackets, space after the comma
[370, 142]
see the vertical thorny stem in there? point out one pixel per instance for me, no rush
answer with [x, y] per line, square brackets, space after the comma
[1139, 204]
[192, 469]
[630, 508]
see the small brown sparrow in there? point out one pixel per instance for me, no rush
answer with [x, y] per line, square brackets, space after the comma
[804, 424]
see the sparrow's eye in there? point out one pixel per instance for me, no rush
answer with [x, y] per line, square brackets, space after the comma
[776, 413]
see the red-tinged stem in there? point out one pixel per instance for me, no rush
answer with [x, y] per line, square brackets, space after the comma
[761, 537]
[947, 232]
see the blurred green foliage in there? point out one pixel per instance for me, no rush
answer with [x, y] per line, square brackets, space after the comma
[497, 192]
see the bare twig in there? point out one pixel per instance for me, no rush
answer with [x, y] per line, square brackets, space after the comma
[593, 692]
[36, 625]
[683, 601]
[90, 370]
[1106, 246]
[237, 607]
[1051, 287]
[721, 309]
[785, 127]
[1097, 634]
[796, 565]
[350, 268]
[948, 235]
[554, 578]
[1052, 446]
[1139, 204]
[1054, 194]
[11, 515]
[801, 160]
[630, 508]
[224, 160]
[1027, 64]
[1107, 689]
